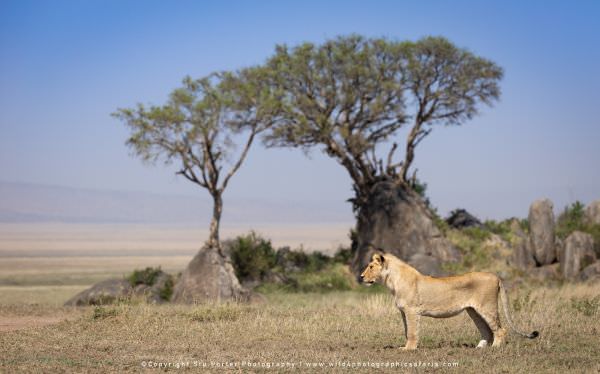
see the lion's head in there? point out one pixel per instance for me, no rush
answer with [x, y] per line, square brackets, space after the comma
[372, 272]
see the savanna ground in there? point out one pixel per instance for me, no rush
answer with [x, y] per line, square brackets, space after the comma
[311, 331]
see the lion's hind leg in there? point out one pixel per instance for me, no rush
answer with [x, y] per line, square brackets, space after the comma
[492, 319]
[487, 336]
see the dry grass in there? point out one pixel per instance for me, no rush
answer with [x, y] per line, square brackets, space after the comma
[328, 328]
[342, 327]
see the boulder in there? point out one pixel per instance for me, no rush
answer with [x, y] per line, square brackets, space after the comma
[114, 290]
[592, 212]
[546, 272]
[209, 277]
[541, 231]
[105, 292]
[426, 264]
[590, 272]
[578, 254]
[395, 219]
[460, 218]
[522, 256]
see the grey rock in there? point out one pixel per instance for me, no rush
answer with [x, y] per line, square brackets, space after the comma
[113, 290]
[541, 231]
[592, 212]
[546, 272]
[590, 272]
[105, 292]
[426, 264]
[209, 277]
[578, 254]
[395, 219]
[522, 256]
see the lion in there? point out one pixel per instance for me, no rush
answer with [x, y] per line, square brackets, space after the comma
[419, 295]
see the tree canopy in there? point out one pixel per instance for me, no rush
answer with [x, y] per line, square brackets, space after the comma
[199, 128]
[350, 96]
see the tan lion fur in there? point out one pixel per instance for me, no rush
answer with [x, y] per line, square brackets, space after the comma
[419, 295]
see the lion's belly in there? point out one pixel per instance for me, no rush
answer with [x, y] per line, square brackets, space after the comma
[442, 313]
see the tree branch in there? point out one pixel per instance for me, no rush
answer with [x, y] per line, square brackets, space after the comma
[237, 165]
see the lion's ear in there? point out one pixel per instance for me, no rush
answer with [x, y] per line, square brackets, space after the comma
[378, 258]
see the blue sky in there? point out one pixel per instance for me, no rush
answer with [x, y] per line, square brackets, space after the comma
[66, 65]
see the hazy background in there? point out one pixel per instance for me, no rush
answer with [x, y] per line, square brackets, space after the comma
[66, 65]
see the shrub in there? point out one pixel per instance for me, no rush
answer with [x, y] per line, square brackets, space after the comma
[317, 261]
[501, 228]
[476, 233]
[470, 243]
[333, 277]
[252, 256]
[573, 219]
[166, 291]
[303, 261]
[343, 255]
[148, 276]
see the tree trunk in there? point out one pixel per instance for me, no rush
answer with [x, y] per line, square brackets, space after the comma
[213, 236]
[210, 276]
[395, 219]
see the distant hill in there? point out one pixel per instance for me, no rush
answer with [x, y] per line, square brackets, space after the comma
[25, 202]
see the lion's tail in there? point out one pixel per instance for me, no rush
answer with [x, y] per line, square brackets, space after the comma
[504, 297]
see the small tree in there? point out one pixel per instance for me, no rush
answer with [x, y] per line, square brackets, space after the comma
[351, 95]
[198, 128]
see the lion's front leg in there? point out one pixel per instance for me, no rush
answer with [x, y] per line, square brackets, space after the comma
[412, 321]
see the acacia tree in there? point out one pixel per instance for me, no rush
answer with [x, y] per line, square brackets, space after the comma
[351, 95]
[198, 127]
[206, 128]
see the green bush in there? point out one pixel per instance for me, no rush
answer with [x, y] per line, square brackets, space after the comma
[148, 276]
[501, 228]
[317, 261]
[308, 262]
[343, 256]
[478, 234]
[469, 241]
[166, 291]
[252, 256]
[333, 277]
[573, 219]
